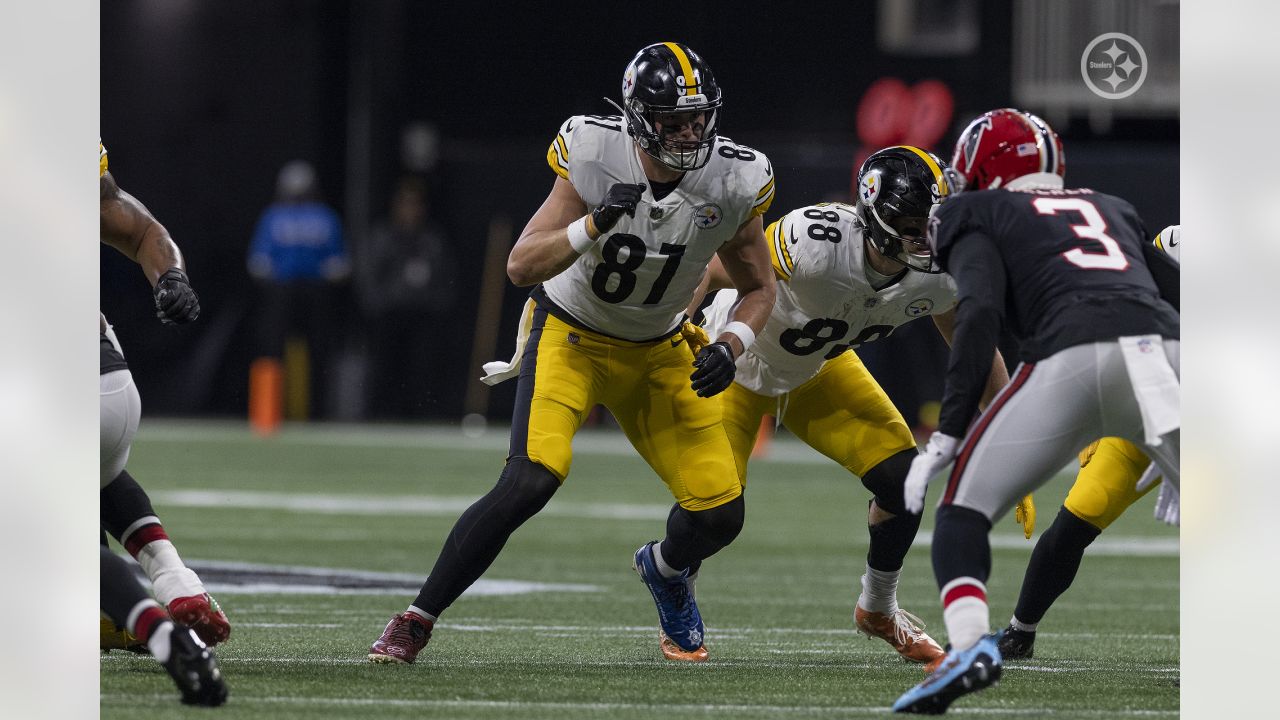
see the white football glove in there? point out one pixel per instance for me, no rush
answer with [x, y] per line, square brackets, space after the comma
[1168, 504]
[937, 455]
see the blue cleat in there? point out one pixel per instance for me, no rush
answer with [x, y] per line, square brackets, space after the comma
[962, 673]
[682, 629]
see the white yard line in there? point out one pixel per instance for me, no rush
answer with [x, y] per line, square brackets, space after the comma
[451, 506]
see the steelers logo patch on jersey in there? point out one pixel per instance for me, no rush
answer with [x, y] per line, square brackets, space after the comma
[707, 216]
[923, 306]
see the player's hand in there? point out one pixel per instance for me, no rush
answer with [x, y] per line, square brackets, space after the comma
[695, 336]
[176, 301]
[1025, 513]
[620, 200]
[715, 369]
[938, 453]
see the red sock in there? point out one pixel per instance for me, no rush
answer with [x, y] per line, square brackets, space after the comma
[136, 538]
[147, 619]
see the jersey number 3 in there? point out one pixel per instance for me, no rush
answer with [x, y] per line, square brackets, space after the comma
[1094, 228]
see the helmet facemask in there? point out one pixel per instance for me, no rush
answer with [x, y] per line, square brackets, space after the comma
[645, 122]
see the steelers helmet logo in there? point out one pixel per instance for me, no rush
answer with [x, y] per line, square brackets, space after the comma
[923, 306]
[707, 216]
[869, 188]
[629, 81]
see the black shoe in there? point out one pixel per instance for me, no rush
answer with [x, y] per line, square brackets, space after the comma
[1017, 644]
[194, 669]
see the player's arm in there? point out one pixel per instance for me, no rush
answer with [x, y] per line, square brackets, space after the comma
[561, 230]
[128, 226]
[999, 376]
[715, 278]
[979, 273]
[744, 261]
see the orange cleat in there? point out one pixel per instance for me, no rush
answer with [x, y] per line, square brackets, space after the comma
[672, 651]
[905, 632]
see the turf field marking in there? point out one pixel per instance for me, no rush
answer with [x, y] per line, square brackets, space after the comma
[659, 710]
[413, 505]
[445, 506]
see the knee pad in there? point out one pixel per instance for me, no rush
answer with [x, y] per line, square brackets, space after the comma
[722, 523]
[885, 481]
[524, 488]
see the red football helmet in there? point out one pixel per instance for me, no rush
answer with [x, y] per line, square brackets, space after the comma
[1007, 144]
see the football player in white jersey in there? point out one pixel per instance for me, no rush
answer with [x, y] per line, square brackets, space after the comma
[848, 275]
[1114, 474]
[640, 204]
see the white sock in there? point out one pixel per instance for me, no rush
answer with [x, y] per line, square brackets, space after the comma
[664, 569]
[421, 613]
[158, 643]
[1019, 625]
[170, 578]
[879, 591]
[965, 611]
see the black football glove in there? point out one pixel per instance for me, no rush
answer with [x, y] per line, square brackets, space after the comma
[621, 199]
[715, 370]
[176, 301]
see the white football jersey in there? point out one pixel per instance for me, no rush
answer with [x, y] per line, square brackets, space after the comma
[826, 304]
[635, 283]
[1170, 241]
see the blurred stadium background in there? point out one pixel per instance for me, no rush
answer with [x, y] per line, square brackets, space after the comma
[203, 102]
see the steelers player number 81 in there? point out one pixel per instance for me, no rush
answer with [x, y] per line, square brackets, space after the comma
[614, 265]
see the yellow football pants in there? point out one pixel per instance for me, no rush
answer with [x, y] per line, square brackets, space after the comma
[566, 371]
[1107, 483]
[841, 412]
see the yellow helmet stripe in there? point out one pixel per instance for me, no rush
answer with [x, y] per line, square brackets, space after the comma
[938, 177]
[690, 83]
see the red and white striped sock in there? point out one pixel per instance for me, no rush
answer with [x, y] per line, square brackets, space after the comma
[964, 608]
[149, 544]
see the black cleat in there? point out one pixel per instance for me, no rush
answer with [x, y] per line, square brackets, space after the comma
[194, 669]
[1017, 644]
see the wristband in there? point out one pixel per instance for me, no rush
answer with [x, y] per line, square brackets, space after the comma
[745, 334]
[579, 238]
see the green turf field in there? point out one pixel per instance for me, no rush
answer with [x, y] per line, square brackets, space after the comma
[560, 626]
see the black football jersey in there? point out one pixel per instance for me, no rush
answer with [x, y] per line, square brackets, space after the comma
[1073, 261]
[110, 358]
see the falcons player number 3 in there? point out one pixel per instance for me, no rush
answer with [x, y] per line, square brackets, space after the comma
[1095, 228]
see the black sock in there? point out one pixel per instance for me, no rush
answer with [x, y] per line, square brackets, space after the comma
[122, 503]
[120, 592]
[694, 536]
[892, 538]
[1053, 566]
[961, 547]
[523, 489]
[890, 541]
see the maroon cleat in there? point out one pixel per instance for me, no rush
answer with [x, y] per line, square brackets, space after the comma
[202, 614]
[402, 640]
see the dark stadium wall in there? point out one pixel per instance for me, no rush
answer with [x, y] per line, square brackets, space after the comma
[202, 102]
